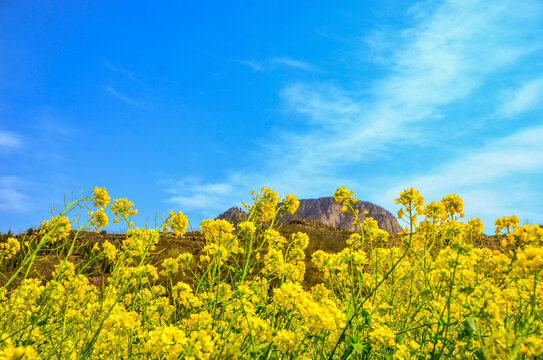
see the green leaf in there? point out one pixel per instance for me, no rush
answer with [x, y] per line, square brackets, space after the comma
[358, 348]
[473, 323]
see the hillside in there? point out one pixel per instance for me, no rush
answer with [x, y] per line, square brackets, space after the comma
[322, 237]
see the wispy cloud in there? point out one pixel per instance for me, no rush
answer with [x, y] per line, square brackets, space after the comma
[277, 61]
[133, 75]
[10, 140]
[53, 123]
[476, 171]
[528, 97]
[298, 64]
[12, 199]
[432, 66]
[256, 66]
[194, 194]
[437, 63]
[519, 153]
[124, 72]
[120, 96]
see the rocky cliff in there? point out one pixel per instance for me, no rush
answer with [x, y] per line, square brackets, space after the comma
[328, 211]
[234, 215]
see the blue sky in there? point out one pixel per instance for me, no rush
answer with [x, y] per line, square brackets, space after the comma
[189, 106]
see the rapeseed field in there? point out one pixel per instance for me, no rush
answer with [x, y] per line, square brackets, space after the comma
[434, 295]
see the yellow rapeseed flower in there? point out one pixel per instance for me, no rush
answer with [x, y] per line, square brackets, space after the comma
[342, 195]
[110, 251]
[263, 209]
[453, 204]
[247, 226]
[9, 248]
[11, 352]
[98, 219]
[170, 265]
[413, 202]
[101, 198]
[216, 230]
[291, 203]
[58, 228]
[177, 222]
[506, 222]
[123, 208]
[382, 337]
[476, 226]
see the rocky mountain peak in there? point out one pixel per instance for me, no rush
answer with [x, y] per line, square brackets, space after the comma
[235, 215]
[326, 210]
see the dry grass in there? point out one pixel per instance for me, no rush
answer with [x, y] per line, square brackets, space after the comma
[322, 237]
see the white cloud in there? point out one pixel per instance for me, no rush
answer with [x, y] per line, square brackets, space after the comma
[11, 199]
[132, 75]
[483, 176]
[9, 181]
[324, 104]
[10, 140]
[126, 73]
[528, 97]
[438, 63]
[195, 201]
[298, 64]
[453, 48]
[273, 62]
[193, 194]
[249, 63]
[120, 96]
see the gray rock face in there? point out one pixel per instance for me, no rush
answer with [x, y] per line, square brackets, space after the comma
[235, 215]
[328, 211]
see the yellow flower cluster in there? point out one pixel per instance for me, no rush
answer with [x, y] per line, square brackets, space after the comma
[12, 352]
[177, 222]
[65, 269]
[525, 235]
[319, 316]
[291, 203]
[221, 242]
[216, 230]
[475, 226]
[247, 226]
[57, 228]
[506, 222]
[139, 241]
[373, 232]
[344, 196]
[434, 211]
[355, 241]
[256, 327]
[453, 204]
[434, 294]
[110, 251]
[413, 202]
[285, 259]
[382, 337]
[338, 268]
[9, 249]
[170, 265]
[170, 342]
[101, 198]
[123, 206]
[98, 219]
[265, 203]
[530, 259]
[182, 292]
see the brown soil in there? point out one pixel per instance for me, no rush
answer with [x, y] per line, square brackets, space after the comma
[322, 237]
